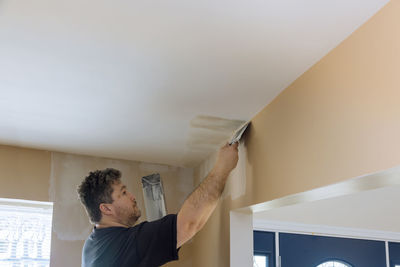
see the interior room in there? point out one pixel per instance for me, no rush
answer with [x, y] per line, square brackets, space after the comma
[156, 88]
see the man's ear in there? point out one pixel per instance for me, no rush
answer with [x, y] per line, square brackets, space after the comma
[106, 209]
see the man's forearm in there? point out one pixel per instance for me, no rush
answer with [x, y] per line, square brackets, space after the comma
[198, 207]
[200, 204]
[208, 191]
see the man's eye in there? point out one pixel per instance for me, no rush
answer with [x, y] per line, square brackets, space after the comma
[124, 192]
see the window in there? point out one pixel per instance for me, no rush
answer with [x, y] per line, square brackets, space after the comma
[25, 233]
[263, 249]
[260, 261]
[334, 264]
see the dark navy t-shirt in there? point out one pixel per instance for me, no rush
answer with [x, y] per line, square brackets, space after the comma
[148, 244]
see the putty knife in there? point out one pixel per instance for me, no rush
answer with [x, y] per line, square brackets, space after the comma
[236, 137]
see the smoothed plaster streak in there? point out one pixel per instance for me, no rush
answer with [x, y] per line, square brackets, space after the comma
[206, 135]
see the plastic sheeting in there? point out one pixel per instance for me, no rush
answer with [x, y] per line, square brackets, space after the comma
[153, 195]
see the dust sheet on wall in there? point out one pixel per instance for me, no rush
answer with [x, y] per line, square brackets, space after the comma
[70, 221]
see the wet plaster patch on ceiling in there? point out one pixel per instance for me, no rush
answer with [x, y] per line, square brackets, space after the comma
[206, 135]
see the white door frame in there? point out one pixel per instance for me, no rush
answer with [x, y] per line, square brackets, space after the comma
[241, 219]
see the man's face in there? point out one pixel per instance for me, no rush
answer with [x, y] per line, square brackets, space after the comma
[126, 209]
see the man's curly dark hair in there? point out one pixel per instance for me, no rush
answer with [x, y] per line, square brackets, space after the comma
[95, 189]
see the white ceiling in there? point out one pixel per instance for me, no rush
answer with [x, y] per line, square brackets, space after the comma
[376, 210]
[123, 79]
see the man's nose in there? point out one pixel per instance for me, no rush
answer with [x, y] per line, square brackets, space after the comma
[132, 197]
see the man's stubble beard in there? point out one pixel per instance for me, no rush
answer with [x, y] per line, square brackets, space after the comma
[129, 217]
[134, 217]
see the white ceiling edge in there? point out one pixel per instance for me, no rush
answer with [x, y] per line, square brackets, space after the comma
[371, 210]
[123, 80]
[364, 203]
[324, 230]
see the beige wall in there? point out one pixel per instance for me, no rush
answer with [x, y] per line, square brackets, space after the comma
[24, 173]
[49, 176]
[339, 120]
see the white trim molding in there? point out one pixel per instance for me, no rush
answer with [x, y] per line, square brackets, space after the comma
[241, 239]
[277, 252]
[387, 254]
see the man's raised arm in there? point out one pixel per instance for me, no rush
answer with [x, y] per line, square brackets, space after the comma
[198, 207]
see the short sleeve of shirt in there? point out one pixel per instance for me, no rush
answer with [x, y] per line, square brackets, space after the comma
[156, 241]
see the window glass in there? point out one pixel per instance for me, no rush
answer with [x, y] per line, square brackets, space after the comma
[334, 264]
[260, 261]
[25, 233]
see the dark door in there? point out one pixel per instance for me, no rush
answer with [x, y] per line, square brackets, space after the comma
[298, 250]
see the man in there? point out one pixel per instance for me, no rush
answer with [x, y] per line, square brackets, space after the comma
[115, 241]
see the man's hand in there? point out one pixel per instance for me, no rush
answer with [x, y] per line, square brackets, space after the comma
[227, 159]
[198, 207]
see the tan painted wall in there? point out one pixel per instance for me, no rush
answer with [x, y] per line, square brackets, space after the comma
[49, 176]
[339, 120]
[24, 173]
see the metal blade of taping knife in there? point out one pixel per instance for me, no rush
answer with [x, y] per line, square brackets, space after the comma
[236, 137]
